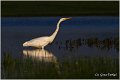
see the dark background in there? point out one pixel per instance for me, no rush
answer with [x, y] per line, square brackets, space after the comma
[59, 8]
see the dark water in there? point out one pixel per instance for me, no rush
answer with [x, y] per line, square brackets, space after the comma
[84, 47]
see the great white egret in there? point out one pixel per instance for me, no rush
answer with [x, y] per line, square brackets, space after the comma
[41, 42]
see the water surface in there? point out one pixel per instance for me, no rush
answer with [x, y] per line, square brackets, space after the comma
[83, 47]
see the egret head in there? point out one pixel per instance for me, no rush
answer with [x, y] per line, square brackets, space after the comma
[63, 19]
[26, 43]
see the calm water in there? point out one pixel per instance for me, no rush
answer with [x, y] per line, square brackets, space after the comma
[83, 47]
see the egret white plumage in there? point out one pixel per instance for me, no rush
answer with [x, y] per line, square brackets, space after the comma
[41, 42]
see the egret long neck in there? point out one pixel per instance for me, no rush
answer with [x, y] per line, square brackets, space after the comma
[56, 31]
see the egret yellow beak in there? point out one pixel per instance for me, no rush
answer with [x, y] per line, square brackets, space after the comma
[68, 18]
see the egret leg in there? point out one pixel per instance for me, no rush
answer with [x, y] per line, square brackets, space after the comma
[42, 47]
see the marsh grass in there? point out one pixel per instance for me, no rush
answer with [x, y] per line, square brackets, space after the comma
[105, 44]
[83, 67]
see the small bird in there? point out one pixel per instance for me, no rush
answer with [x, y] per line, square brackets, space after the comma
[41, 42]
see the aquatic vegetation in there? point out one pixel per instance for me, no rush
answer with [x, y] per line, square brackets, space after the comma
[105, 44]
[83, 67]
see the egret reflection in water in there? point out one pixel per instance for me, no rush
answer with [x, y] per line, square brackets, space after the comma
[44, 56]
[40, 54]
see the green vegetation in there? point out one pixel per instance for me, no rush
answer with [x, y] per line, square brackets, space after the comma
[84, 67]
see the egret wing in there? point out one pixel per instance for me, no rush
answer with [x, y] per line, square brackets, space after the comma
[40, 41]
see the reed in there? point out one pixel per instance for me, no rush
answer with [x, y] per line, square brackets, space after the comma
[83, 67]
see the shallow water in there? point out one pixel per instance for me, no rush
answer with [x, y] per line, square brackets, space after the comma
[83, 47]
